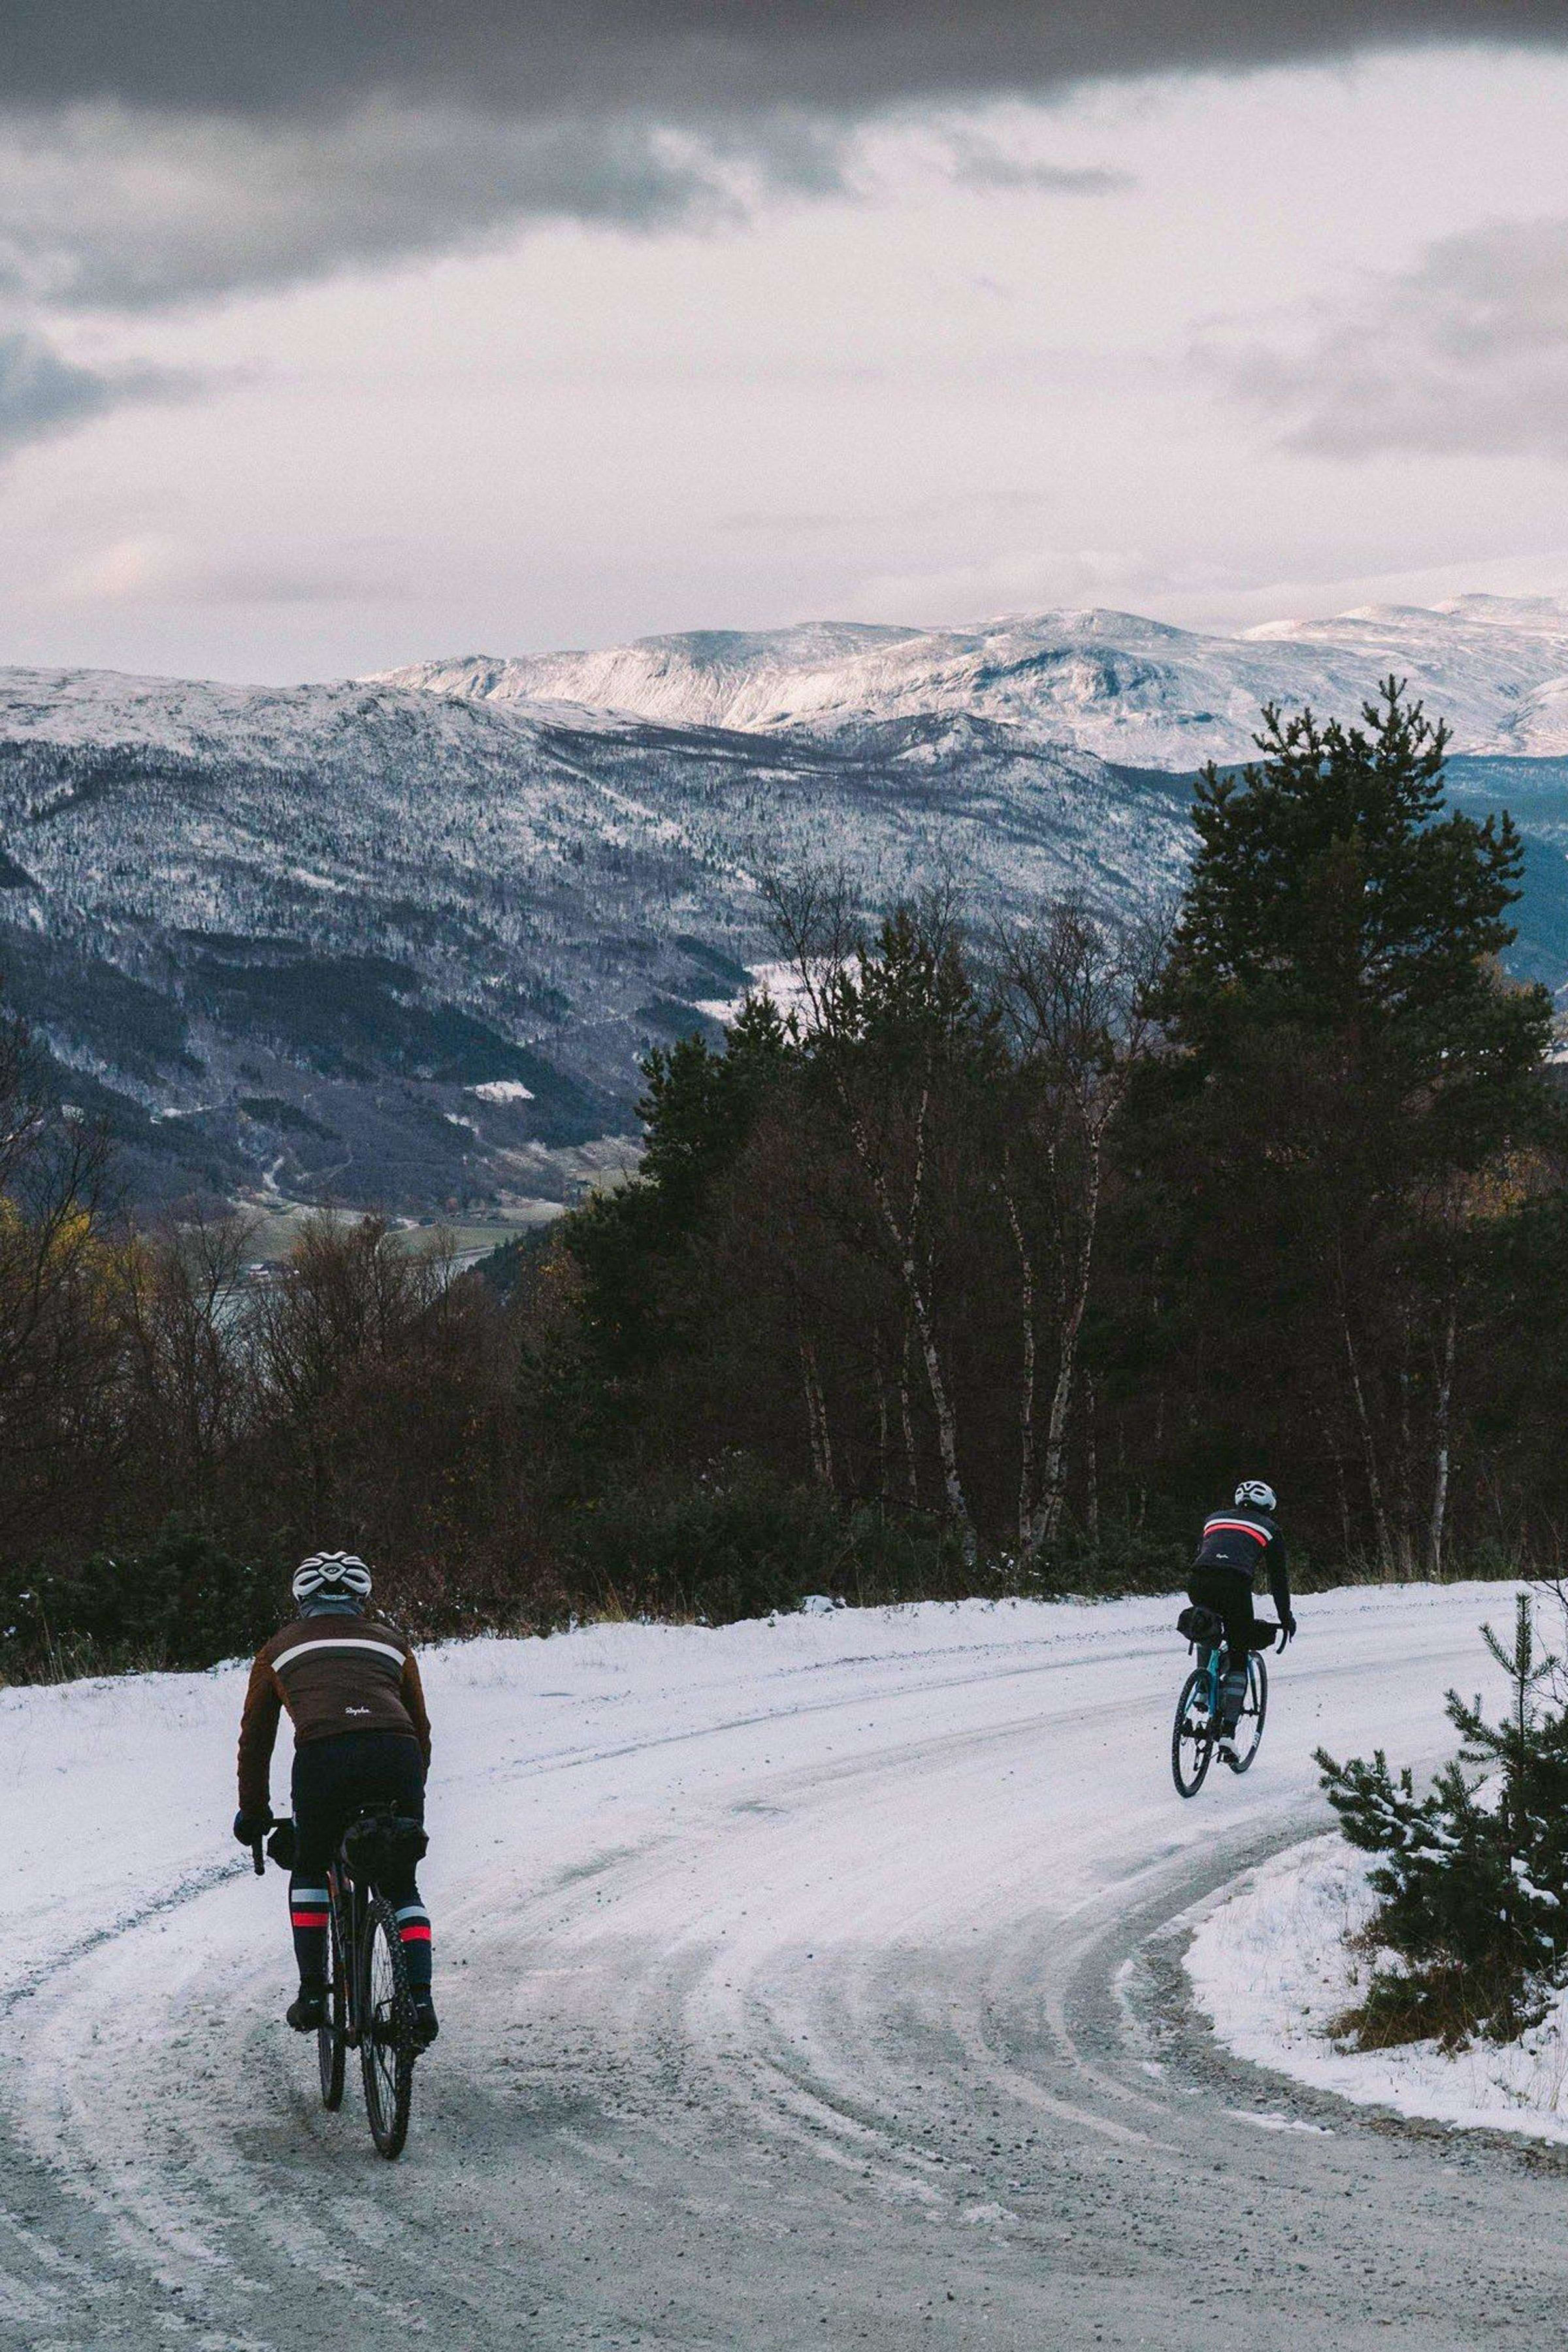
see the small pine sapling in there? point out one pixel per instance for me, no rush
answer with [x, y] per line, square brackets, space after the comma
[1472, 1876]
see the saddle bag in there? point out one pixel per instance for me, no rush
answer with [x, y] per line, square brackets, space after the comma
[378, 1845]
[1202, 1627]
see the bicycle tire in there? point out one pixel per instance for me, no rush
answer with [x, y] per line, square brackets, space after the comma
[387, 2047]
[331, 2038]
[1256, 1687]
[1189, 1782]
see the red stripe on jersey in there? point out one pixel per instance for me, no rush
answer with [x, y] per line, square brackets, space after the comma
[415, 1935]
[1234, 1527]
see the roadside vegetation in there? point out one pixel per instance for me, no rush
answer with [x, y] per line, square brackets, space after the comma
[1470, 1939]
[982, 1267]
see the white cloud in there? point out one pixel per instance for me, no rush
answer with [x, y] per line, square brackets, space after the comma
[933, 401]
[151, 567]
[1466, 353]
[1011, 579]
[126, 568]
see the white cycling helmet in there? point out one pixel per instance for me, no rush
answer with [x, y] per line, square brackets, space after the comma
[1254, 1491]
[331, 1572]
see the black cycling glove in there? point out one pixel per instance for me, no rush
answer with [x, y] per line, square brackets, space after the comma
[248, 1827]
[1287, 1627]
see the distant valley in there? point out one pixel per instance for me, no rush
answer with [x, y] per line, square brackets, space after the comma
[400, 941]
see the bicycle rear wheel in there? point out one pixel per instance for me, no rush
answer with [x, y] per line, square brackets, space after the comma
[1192, 1739]
[329, 2037]
[1254, 1707]
[387, 2029]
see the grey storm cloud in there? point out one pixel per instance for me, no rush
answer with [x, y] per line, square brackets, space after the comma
[1467, 353]
[179, 150]
[42, 393]
[980, 163]
[312, 56]
[109, 210]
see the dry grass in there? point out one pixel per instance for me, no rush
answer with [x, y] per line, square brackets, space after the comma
[1443, 2000]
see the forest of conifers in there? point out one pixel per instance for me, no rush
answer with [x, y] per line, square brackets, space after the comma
[979, 1258]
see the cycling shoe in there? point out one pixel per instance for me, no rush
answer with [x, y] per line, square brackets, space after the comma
[308, 2010]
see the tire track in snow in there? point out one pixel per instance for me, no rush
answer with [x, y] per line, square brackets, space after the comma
[833, 2025]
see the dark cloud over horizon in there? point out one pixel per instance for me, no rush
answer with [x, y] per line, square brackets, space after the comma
[315, 57]
[160, 155]
[179, 150]
[124, 214]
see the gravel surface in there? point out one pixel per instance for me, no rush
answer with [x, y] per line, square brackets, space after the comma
[836, 2001]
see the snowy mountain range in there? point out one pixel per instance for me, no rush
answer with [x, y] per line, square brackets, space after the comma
[1132, 690]
[403, 939]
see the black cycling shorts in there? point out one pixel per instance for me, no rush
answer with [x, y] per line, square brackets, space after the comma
[335, 1778]
[1229, 1594]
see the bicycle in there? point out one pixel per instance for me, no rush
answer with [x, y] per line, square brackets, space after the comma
[370, 2005]
[1195, 1733]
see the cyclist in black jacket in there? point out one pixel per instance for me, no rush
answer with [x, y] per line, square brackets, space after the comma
[1235, 1544]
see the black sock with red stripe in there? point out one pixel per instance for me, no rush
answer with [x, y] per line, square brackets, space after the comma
[414, 1928]
[308, 1916]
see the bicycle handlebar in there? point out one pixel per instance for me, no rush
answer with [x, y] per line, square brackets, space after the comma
[258, 1856]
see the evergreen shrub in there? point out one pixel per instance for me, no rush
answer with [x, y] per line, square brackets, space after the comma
[1471, 1936]
[1119, 1557]
[738, 1540]
[181, 1600]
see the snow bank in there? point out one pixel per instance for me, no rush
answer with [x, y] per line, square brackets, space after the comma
[1271, 1969]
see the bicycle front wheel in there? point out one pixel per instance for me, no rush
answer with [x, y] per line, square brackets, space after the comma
[1254, 1707]
[331, 2040]
[387, 2026]
[1192, 1740]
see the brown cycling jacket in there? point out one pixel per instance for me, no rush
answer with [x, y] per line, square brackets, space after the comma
[333, 1674]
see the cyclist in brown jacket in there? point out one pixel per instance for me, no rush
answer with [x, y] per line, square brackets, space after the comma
[362, 1737]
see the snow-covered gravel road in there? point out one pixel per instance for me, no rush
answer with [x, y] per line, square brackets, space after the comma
[813, 1984]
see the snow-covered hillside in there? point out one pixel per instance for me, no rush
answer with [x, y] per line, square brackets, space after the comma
[1132, 691]
[282, 935]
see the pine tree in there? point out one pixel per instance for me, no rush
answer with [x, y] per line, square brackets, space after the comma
[1332, 891]
[1348, 1075]
[633, 1245]
[1473, 1878]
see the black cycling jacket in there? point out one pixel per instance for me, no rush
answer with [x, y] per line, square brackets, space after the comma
[1247, 1540]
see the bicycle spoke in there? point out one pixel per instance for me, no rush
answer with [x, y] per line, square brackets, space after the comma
[1249, 1731]
[331, 2037]
[1192, 1736]
[386, 2043]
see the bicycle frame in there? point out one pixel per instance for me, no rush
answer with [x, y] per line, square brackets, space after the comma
[381, 2024]
[347, 1900]
[1217, 1667]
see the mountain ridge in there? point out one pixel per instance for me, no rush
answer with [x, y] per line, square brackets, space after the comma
[386, 942]
[1139, 691]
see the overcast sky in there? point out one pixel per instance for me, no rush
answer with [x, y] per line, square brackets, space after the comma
[333, 336]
